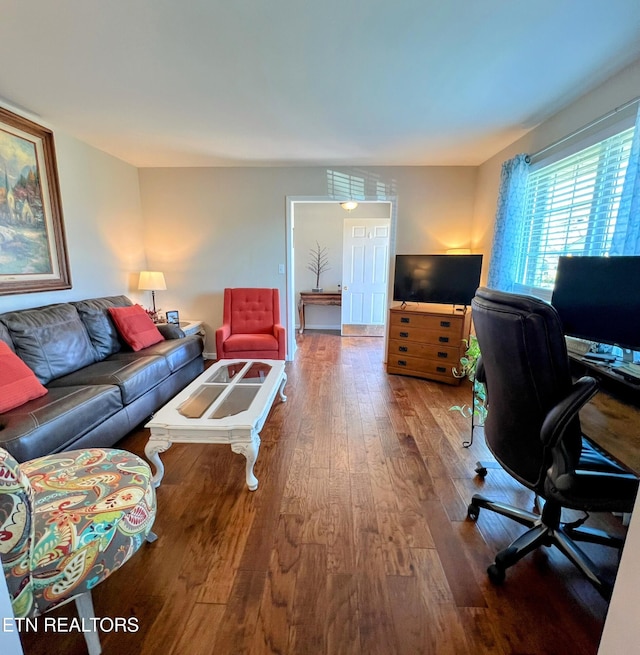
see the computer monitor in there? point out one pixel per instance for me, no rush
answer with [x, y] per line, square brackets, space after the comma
[598, 299]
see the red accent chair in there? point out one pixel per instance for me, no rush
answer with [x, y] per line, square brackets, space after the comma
[251, 325]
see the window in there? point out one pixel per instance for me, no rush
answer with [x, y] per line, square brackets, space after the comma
[570, 208]
[359, 184]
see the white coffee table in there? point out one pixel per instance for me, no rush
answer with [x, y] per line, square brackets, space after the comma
[228, 403]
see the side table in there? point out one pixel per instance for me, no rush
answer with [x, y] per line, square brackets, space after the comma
[316, 298]
[192, 327]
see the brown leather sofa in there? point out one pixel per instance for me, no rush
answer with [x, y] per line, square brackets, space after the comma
[98, 388]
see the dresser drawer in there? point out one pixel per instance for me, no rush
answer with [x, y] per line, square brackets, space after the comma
[406, 348]
[443, 324]
[421, 367]
[425, 335]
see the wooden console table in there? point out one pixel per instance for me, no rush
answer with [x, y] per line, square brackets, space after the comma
[317, 298]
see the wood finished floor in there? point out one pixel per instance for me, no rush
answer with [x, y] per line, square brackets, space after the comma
[355, 542]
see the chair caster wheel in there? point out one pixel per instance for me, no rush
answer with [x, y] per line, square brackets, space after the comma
[481, 470]
[496, 574]
[473, 512]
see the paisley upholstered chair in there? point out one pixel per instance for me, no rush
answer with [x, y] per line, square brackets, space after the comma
[251, 325]
[67, 521]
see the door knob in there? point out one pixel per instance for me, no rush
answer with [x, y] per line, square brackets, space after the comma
[345, 287]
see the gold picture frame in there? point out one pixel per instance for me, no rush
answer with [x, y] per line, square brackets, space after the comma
[33, 251]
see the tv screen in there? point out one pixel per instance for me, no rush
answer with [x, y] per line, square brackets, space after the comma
[446, 279]
[598, 299]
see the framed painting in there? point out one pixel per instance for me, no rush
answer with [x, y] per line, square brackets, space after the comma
[33, 252]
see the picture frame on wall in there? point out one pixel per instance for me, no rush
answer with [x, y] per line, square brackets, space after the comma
[33, 256]
[173, 317]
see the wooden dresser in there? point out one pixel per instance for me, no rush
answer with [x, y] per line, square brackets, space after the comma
[427, 341]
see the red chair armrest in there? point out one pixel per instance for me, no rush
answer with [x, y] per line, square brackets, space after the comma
[280, 334]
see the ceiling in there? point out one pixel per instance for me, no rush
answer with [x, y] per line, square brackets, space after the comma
[295, 82]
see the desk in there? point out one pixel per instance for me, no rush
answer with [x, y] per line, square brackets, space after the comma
[614, 425]
[317, 298]
[612, 417]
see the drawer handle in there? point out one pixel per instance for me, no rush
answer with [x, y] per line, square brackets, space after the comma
[404, 334]
[443, 339]
[445, 323]
[443, 355]
[402, 362]
[441, 369]
[405, 319]
[403, 349]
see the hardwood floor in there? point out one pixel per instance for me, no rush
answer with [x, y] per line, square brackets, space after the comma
[356, 540]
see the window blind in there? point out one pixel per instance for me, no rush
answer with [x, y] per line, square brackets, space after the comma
[570, 209]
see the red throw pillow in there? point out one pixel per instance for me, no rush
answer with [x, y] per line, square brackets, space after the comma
[135, 326]
[18, 383]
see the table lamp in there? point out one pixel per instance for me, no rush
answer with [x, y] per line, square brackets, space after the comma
[152, 281]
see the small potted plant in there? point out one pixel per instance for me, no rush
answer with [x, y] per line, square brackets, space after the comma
[468, 364]
[318, 264]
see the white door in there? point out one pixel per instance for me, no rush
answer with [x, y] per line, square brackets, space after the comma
[365, 271]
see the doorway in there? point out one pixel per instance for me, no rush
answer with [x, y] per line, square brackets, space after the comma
[365, 311]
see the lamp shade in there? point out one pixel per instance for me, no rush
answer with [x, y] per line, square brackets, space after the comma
[152, 281]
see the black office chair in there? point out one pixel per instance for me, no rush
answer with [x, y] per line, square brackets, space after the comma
[533, 430]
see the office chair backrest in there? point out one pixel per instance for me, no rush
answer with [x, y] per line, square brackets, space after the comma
[527, 372]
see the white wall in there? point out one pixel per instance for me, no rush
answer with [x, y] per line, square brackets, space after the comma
[210, 228]
[318, 223]
[103, 224]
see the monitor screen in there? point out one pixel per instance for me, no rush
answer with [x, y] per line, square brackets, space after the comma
[446, 279]
[598, 299]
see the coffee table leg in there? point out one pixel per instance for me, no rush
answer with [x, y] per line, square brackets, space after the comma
[250, 451]
[152, 451]
[284, 381]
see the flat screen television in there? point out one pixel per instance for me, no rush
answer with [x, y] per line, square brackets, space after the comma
[598, 299]
[445, 279]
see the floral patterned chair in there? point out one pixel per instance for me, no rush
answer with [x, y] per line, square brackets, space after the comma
[67, 521]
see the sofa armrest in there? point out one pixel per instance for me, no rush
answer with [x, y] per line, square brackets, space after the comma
[170, 331]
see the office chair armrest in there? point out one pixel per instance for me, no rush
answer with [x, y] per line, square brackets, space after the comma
[560, 416]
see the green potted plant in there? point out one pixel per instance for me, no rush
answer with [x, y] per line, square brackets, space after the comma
[468, 364]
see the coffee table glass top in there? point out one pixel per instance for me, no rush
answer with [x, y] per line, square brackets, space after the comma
[238, 399]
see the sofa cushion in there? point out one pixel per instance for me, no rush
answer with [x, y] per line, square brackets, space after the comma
[18, 384]
[5, 336]
[52, 340]
[177, 352]
[135, 326]
[94, 313]
[56, 420]
[133, 377]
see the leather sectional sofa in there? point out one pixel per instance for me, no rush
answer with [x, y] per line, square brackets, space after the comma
[98, 388]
